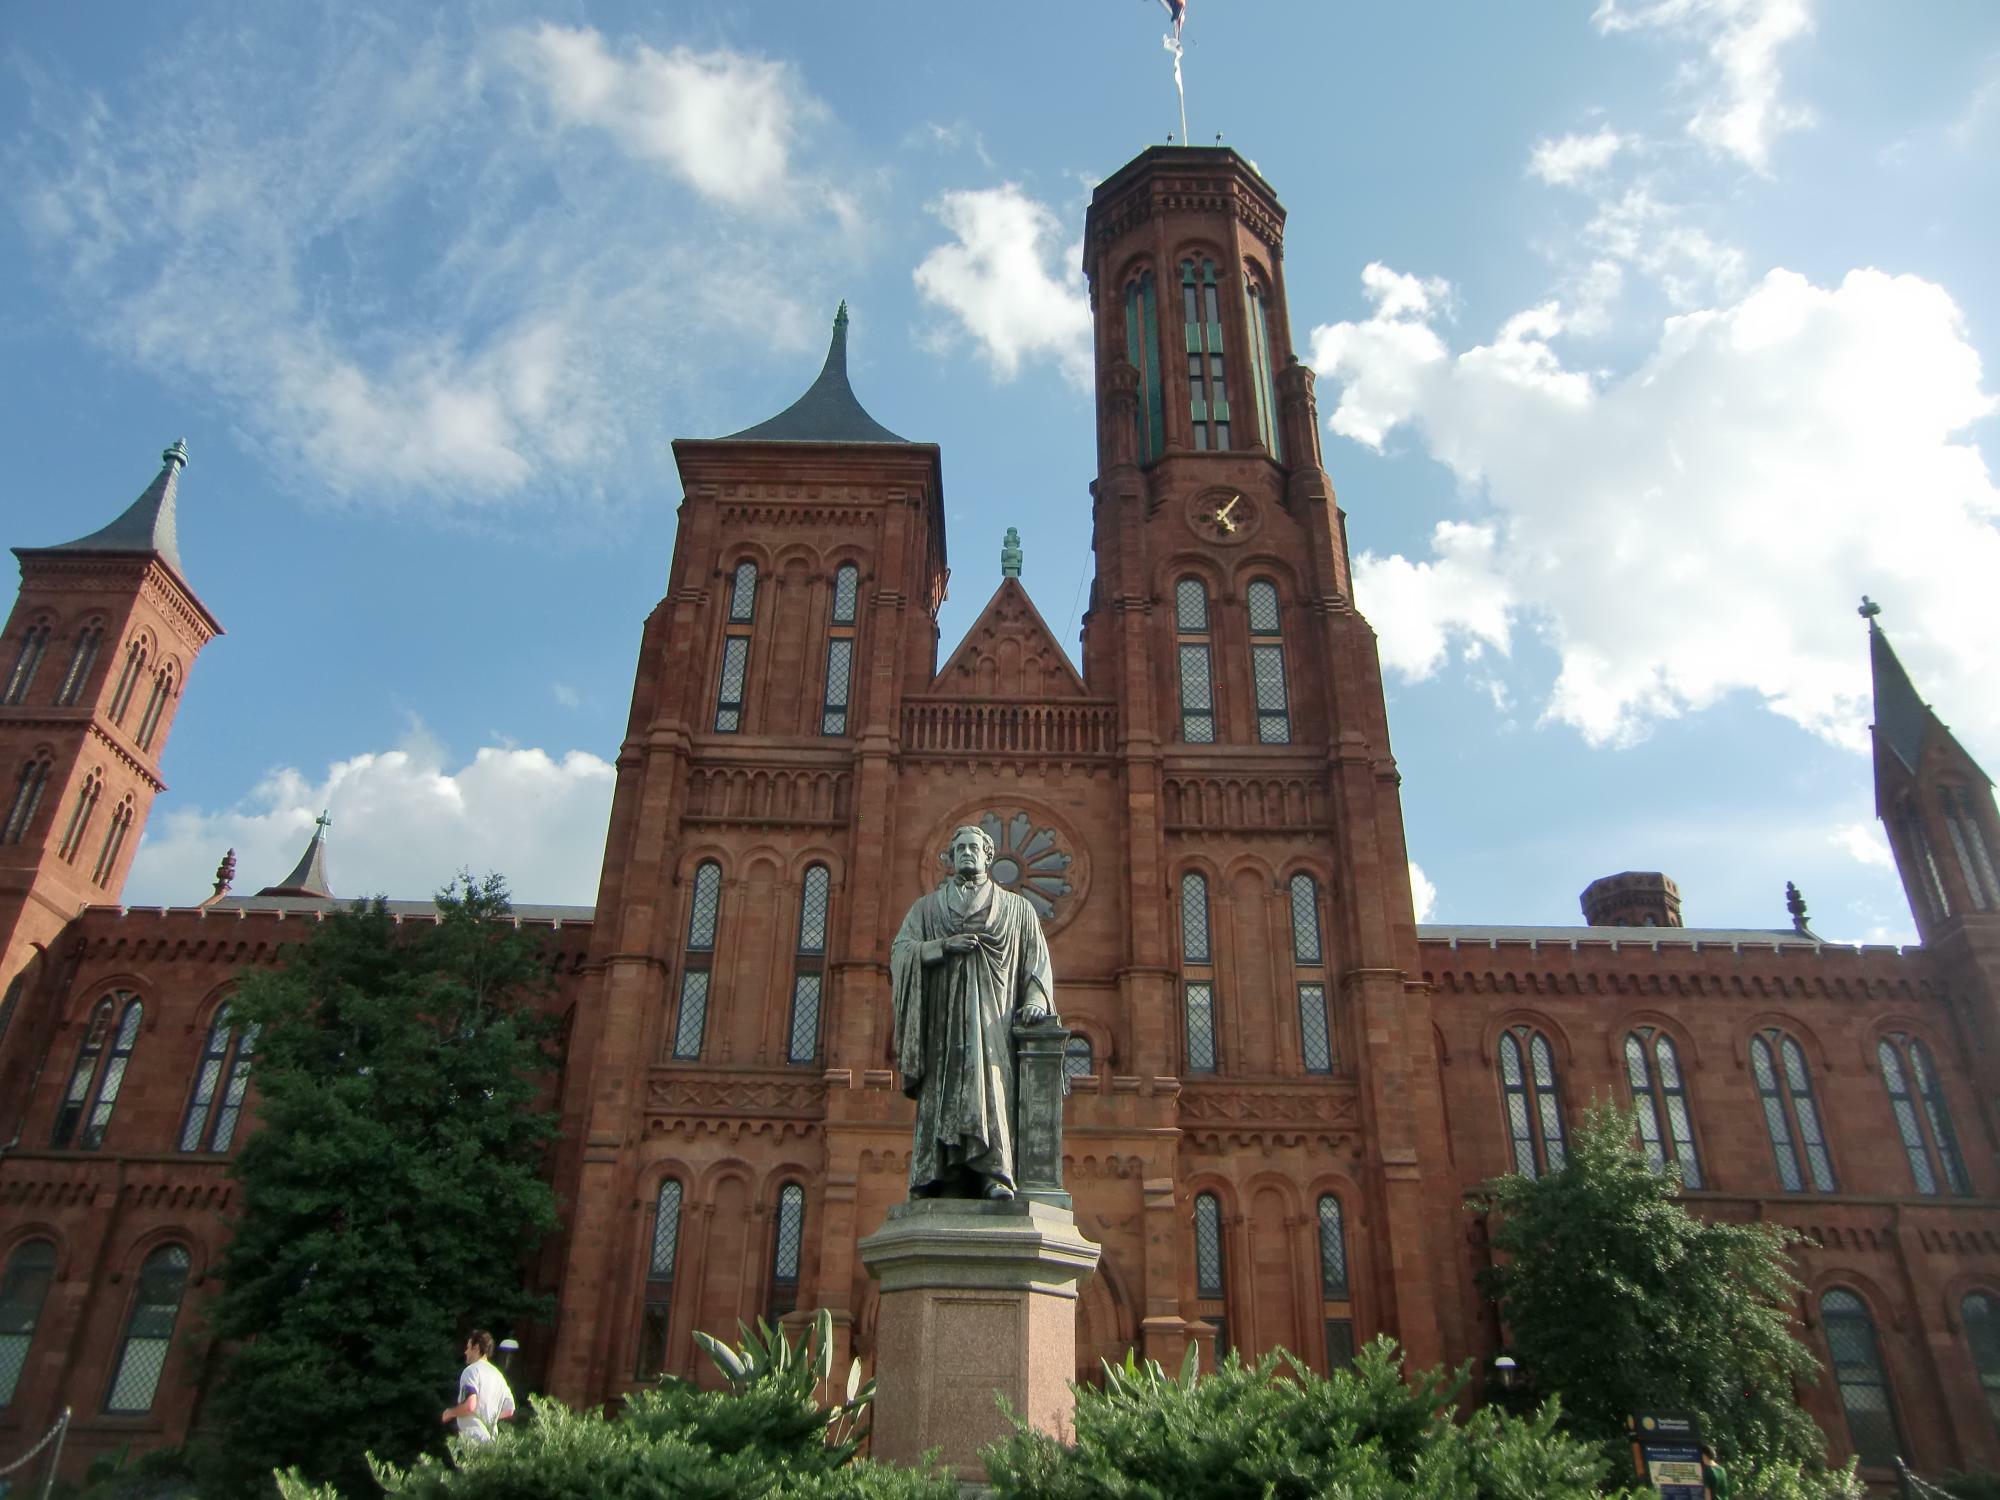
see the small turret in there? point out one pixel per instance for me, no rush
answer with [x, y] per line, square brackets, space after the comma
[1635, 898]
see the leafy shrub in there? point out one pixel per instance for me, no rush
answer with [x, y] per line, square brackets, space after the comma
[1275, 1430]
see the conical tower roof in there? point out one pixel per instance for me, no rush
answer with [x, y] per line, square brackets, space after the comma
[147, 524]
[1901, 717]
[828, 412]
[308, 877]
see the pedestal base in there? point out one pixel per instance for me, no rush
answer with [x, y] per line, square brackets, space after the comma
[978, 1302]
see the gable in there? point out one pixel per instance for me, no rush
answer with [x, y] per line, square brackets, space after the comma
[1009, 652]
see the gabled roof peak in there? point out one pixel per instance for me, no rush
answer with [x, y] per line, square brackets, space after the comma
[147, 525]
[829, 411]
[1901, 717]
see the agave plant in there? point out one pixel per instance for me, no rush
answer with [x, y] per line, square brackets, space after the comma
[1137, 1377]
[765, 1354]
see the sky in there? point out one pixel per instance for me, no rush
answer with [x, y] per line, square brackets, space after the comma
[1651, 334]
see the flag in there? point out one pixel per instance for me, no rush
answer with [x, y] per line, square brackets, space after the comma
[1177, 13]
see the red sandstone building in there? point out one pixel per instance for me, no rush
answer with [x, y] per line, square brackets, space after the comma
[1283, 1086]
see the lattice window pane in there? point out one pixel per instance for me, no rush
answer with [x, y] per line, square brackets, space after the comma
[1981, 1315]
[1314, 1039]
[1683, 1135]
[1969, 811]
[1191, 606]
[839, 667]
[1796, 1077]
[1339, 1343]
[1194, 918]
[1197, 690]
[729, 701]
[805, 1019]
[1760, 1066]
[113, 1080]
[1782, 1148]
[1207, 1246]
[30, 1270]
[693, 1015]
[1523, 1138]
[1305, 920]
[1817, 1159]
[707, 903]
[1913, 1147]
[812, 910]
[1648, 1110]
[1332, 1251]
[149, 1335]
[1931, 1091]
[1635, 1066]
[743, 594]
[846, 594]
[1267, 666]
[1077, 1059]
[1552, 1132]
[791, 1234]
[666, 1232]
[1857, 1369]
[1670, 1063]
[1201, 1028]
[205, 1084]
[1261, 600]
[232, 1094]
[1544, 1059]
[1510, 1061]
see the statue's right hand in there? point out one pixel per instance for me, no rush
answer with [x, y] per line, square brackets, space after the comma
[960, 942]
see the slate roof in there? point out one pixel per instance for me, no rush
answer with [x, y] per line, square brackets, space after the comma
[828, 412]
[1733, 938]
[308, 877]
[317, 905]
[1901, 717]
[147, 524]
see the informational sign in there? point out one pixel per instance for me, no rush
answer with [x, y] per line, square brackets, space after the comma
[1666, 1453]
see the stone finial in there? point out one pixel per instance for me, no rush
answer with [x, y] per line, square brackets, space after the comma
[177, 454]
[1010, 554]
[840, 315]
[225, 872]
[1869, 608]
[1796, 905]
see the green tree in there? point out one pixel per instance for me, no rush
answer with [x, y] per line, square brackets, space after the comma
[393, 1192]
[1618, 1299]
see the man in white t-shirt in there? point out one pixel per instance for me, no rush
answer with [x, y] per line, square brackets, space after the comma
[483, 1396]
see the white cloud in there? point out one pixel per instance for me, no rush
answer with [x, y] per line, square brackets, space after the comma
[1423, 895]
[1738, 110]
[724, 122]
[1636, 228]
[1418, 608]
[1704, 523]
[403, 823]
[401, 282]
[1865, 843]
[1571, 159]
[1011, 281]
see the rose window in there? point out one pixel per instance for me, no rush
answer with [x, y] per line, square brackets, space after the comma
[1028, 861]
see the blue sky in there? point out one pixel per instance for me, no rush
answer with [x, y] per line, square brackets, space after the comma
[1650, 336]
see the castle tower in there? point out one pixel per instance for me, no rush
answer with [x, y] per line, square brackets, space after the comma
[1251, 706]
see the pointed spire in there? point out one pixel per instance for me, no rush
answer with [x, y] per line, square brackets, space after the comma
[1010, 554]
[1901, 717]
[308, 877]
[148, 522]
[829, 411]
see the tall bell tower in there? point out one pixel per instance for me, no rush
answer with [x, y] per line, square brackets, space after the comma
[1255, 734]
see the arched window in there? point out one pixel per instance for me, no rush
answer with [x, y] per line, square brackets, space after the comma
[114, 842]
[1857, 1370]
[704, 908]
[1534, 1112]
[1142, 348]
[809, 966]
[219, 1085]
[1209, 1282]
[1791, 1117]
[82, 657]
[1980, 1312]
[1264, 369]
[787, 1247]
[128, 679]
[1267, 663]
[23, 1289]
[1208, 396]
[660, 1281]
[1309, 965]
[94, 1082]
[1923, 1119]
[149, 1332]
[156, 705]
[80, 816]
[1336, 1310]
[28, 788]
[1968, 841]
[1077, 1059]
[1196, 662]
[34, 641]
[1659, 1094]
[840, 649]
[736, 648]
[1197, 974]
[1930, 880]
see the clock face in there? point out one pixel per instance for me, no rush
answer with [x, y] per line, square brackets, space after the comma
[1222, 515]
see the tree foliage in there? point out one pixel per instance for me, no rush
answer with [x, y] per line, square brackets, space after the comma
[1277, 1431]
[1617, 1299]
[393, 1191]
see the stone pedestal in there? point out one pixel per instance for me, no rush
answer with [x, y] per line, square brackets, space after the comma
[978, 1301]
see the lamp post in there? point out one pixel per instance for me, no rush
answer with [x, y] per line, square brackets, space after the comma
[507, 1349]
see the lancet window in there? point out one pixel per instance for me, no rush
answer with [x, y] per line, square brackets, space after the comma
[1201, 315]
[704, 911]
[1336, 1306]
[34, 641]
[96, 1078]
[1197, 661]
[787, 1249]
[23, 1290]
[1791, 1114]
[1857, 1370]
[1980, 1313]
[128, 679]
[82, 657]
[1968, 842]
[1142, 348]
[80, 816]
[1930, 879]
[809, 966]
[149, 1330]
[1210, 1286]
[122, 818]
[220, 1083]
[1078, 1061]
[156, 706]
[1923, 1119]
[1264, 369]
[1197, 973]
[27, 799]
[1309, 974]
[654, 1319]
[1534, 1110]
[840, 649]
[1659, 1094]
[742, 616]
[1267, 663]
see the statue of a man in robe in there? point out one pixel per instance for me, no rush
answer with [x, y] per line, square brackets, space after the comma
[968, 961]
